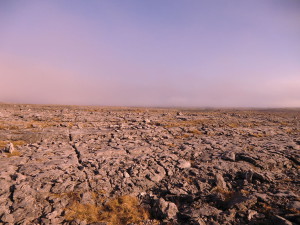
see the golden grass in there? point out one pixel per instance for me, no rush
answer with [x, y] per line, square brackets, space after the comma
[296, 211]
[15, 143]
[83, 212]
[187, 123]
[292, 131]
[228, 123]
[248, 148]
[195, 131]
[226, 193]
[3, 144]
[172, 145]
[123, 210]
[14, 153]
[183, 136]
[189, 180]
[118, 211]
[233, 125]
[245, 192]
[19, 125]
[266, 207]
[13, 125]
[258, 135]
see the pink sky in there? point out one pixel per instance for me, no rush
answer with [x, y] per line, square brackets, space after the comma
[157, 53]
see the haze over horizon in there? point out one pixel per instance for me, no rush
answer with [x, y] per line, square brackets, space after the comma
[151, 53]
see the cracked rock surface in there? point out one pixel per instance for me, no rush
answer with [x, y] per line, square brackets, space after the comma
[183, 166]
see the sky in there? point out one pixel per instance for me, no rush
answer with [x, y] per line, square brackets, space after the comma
[195, 53]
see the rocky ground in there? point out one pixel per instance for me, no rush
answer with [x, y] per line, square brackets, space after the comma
[93, 165]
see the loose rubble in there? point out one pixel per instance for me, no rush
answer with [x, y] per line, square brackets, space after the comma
[97, 165]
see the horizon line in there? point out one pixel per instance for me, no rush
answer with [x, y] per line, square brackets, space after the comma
[159, 107]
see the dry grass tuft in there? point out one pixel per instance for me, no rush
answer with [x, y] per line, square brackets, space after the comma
[34, 124]
[233, 125]
[183, 136]
[245, 192]
[266, 207]
[292, 131]
[12, 125]
[83, 212]
[195, 131]
[228, 194]
[123, 210]
[248, 148]
[119, 211]
[3, 144]
[296, 211]
[257, 134]
[14, 153]
[187, 123]
[15, 143]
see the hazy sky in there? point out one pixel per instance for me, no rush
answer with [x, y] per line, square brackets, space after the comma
[151, 53]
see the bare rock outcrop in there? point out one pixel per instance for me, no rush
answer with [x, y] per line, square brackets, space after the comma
[96, 165]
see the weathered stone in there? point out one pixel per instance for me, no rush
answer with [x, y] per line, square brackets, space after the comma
[262, 197]
[220, 182]
[294, 205]
[126, 175]
[251, 214]
[167, 209]
[183, 164]
[10, 148]
[155, 177]
[8, 218]
[88, 198]
[207, 211]
[229, 155]
[84, 157]
[242, 203]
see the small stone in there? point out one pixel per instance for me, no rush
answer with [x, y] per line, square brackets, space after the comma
[45, 221]
[8, 218]
[183, 164]
[251, 214]
[155, 177]
[87, 198]
[198, 221]
[52, 215]
[261, 177]
[10, 148]
[249, 176]
[295, 205]
[171, 210]
[262, 197]
[220, 182]
[242, 203]
[208, 211]
[126, 175]
[229, 155]
[167, 209]
[79, 222]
